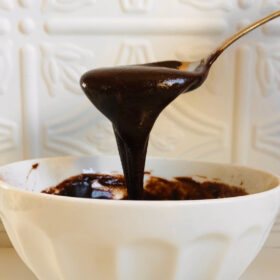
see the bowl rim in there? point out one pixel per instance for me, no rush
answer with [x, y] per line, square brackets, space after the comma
[157, 203]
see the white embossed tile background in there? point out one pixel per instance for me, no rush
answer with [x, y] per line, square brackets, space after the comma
[45, 45]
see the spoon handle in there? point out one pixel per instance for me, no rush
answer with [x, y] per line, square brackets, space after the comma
[248, 29]
[241, 33]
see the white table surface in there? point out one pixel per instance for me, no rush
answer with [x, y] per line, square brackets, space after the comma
[265, 267]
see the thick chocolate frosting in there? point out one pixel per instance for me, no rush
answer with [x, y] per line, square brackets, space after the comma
[103, 186]
[132, 97]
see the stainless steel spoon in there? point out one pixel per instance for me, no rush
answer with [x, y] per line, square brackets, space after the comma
[206, 63]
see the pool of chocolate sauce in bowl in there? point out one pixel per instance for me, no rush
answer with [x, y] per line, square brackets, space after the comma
[103, 186]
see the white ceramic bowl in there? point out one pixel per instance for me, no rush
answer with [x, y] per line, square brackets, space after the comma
[62, 238]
